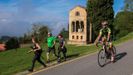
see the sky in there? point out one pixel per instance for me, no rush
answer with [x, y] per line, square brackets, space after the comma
[17, 16]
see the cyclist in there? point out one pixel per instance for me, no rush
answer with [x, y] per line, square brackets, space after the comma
[105, 37]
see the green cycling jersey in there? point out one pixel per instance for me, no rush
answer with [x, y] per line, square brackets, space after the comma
[105, 31]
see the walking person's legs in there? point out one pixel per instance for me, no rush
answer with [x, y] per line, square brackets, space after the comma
[33, 63]
[59, 55]
[64, 53]
[47, 55]
[40, 61]
[112, 52]
[54, 51]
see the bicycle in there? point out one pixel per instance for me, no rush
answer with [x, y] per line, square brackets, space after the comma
[104, 54]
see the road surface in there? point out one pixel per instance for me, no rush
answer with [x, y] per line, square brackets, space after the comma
[88, 65]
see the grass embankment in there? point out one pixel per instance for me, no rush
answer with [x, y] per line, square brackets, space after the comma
[13, 61]
[125, 38]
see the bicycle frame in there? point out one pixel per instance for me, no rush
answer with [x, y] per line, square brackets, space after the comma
[104, 54]
[104, 46]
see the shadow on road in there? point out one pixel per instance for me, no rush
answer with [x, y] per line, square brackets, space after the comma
[117, 57]
[69, 57]
[120, 56]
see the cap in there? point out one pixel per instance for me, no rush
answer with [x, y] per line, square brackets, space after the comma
[49, 33]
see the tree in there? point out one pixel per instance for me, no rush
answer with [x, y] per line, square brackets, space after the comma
[123, 23]
[124, 20]
[26, 38]
[43, 31]
[12, 43]
[64, 33]
[0, 41]
[98, 11]
[4, 38]
[40, 31]
[128, 6]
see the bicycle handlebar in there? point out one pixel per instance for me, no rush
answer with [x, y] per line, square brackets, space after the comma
[101, 42]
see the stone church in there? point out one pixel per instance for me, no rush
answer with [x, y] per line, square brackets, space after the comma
[78, 28]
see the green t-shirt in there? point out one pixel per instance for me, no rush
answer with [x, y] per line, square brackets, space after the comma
[105, 31]
[50, 41]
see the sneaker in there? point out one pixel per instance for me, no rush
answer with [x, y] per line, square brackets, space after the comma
[112, 59]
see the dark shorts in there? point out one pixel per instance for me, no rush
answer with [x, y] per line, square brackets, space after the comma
[62, 49]
[51, 49]
[38, 52]
[105, 38]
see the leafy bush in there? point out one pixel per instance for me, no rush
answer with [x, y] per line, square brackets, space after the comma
[12, 43]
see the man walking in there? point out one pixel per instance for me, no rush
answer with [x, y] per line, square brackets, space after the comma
[51, 41]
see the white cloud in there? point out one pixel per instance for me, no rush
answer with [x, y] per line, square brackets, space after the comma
[17, 16]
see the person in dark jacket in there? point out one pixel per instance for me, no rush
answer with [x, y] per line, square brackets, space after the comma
[61, 48]
[37, 51]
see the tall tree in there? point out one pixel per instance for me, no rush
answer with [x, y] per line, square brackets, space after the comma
[99, 10]
[124, 20]
[65, 33]
[40, 31]
[123, 23]
[128, 6]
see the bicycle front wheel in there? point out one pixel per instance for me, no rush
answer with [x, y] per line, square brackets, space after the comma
[101, 58]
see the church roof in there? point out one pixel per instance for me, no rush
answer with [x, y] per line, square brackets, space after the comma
[78, 6]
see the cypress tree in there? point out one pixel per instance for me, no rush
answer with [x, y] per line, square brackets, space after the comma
[99, 10]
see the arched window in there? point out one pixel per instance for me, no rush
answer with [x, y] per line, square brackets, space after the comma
[77, 26]
[77, 13]
[77, 37]
[81, 37]
[73, 26]
[73, 37]
[82, 26]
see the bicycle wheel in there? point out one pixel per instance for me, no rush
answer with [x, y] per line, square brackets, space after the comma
[102, 58]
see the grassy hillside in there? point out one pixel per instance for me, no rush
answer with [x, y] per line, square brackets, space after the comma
[125, 38]
[13, 61]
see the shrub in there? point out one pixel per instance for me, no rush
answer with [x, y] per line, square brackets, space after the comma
[12, 43]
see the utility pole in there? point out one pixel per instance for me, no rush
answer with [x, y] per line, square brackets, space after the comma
[90, 39]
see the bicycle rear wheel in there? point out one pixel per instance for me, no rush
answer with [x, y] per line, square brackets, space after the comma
[102, 58]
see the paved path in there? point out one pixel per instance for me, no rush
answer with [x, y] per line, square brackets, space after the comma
[88, 65]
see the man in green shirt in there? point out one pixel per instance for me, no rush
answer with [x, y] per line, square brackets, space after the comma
[51, 45]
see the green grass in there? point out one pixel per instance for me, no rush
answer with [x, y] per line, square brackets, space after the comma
[14, 61]
[125, 38]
